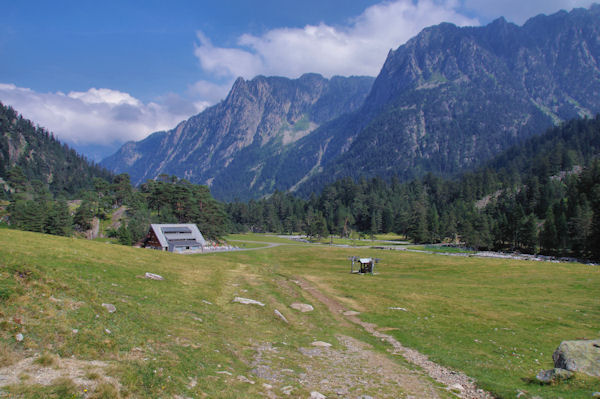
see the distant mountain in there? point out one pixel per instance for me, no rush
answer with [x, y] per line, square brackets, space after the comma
[226, 146]
[444, 102]
[37, 155]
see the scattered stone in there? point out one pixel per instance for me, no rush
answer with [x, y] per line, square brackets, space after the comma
[520, 394]
[365, 397]
[153, 276]
[52, 299]
[267, 386]
[553, 375]
[317, 395]
[110, 307]
[287, 390]
[596, 395]
[106, 330]
[207, 302]
[321, 344]
[224, 372]
[247, 301]
[244, 379]
[397, 308]
[193, 382]
[582, 356]
[19, 337]
[351, 313]
[197, 318]
[457, 387]
[75, 331]
[282, 317]
[302, 307]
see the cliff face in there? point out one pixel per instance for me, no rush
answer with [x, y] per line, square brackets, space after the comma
[257, 119]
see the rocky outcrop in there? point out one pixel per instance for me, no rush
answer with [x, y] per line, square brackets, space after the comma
[582, 356]
[227, 145]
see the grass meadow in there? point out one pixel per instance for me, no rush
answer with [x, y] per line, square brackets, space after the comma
[497, 320]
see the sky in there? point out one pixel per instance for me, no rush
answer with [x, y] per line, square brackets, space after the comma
[100, 73]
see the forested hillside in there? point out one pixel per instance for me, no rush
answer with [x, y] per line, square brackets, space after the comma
[31, 158]
[541, 196]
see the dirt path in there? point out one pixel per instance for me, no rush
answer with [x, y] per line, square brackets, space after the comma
[458, 382]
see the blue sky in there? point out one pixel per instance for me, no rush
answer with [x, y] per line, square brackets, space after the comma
[99, 73]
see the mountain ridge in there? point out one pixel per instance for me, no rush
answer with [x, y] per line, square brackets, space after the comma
[444, 102]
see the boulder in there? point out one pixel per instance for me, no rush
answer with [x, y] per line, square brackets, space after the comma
[247, 301]
[553, 375]
[582, 356]
[153, 276]
[302, 307]
[110, 307]
[281, 316]
[321, 344]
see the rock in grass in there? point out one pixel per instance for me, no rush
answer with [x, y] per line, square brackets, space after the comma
[19, 337]
[553, 375]
[247, 301]
[153, 276]
[582, 356]
[321, 344]
[302, 307]
[282, 317]
[317, 395]
[110, 307]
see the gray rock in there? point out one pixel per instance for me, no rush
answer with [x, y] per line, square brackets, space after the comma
[110, 307]
[19, 337]
[596, 395]
[153, 276]
[553, 375]
[321, 344]
[282, 317]
[582, 356]
[247, 301]
[351, 313]
[302, 307]
[317, 395]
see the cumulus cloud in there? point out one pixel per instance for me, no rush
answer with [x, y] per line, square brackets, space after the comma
[359, 48]
[96, 116]
[519, 11]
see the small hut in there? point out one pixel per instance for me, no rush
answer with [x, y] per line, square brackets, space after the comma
[181, 238]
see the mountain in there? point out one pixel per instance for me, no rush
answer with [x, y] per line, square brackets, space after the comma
[29, 154]
[451, 97]
[444, 102]
[226, 145]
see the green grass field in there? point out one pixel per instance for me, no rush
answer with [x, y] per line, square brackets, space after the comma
[497, 320]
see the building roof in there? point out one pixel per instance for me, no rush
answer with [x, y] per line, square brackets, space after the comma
[177, 233]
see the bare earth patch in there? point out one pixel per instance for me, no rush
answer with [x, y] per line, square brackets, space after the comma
[28, 372]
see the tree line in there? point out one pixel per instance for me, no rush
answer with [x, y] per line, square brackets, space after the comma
[542, 196]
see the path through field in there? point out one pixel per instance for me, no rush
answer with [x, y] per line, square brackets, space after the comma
[462, 385]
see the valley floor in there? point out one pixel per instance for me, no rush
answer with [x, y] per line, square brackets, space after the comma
[497, 321]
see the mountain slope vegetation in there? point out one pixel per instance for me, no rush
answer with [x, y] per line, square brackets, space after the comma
[30, 156]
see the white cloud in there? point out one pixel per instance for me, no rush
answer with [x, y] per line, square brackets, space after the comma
[519, 11]
[97, 116]
[359, 48]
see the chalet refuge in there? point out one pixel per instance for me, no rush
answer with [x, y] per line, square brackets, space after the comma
[181, 238]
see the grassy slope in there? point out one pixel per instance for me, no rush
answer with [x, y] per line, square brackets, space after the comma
[490, 318]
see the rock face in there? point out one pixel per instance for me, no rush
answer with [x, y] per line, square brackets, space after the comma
[451, 98]
[228, 146]
[582, 356]
[444, 102]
